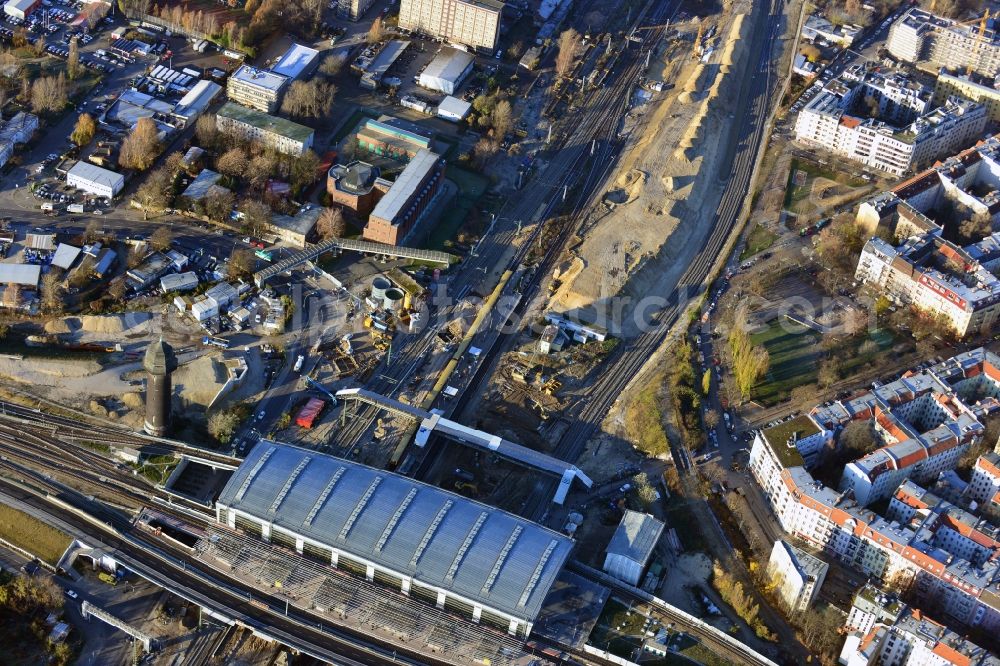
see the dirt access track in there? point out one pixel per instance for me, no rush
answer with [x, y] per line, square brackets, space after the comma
[661, 200]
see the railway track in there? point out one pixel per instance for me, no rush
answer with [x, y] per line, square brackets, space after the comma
[627, 360]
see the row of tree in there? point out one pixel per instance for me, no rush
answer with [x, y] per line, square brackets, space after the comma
[741, 601]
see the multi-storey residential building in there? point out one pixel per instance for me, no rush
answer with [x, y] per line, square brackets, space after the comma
[799, 575]
[400, 209]
[958, 84]
[904, 132]
[970, 178]
[935, 275]
[891, 633]
[923, 38]
[963, 582]
[474, 23]
[984, 486]
[353, 10]
[256, 88]
[925, 270]
[280, 134]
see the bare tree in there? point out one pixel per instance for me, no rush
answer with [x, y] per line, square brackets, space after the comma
[332, 65]
[52, 292]
[331, 224]
[206, 131]
[12, 296]
[241, 263]
[501, 118]
[308, 99]
[48, 93]
[256, 216]
[218, 203]
[154, 193]
[161, 238]
[232, 163]
[484, 149]
[569, 49]
[141, 146]
[259, 170]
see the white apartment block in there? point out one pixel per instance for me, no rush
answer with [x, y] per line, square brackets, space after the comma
[906, 132]
[937, 276]
[799, 574]
[984, 486]
[920, 37]
[256, 88]
[893, 634]
[925, 270]
[277, 133]
[934, 546]
[353, 9]
[474, 23]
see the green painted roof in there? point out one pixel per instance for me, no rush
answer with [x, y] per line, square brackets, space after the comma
[265, 121]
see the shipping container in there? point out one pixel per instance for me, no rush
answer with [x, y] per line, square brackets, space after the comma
[309, 412]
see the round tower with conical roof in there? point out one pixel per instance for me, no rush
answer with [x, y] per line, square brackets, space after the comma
[159, 363]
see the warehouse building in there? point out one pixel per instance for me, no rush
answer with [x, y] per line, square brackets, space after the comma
[194, 103]
[398, 212]
[454, 109]
[20, 9]
[256, 88]
[475, 23]
[632, 546]
[280, 134]
[447, 71]
[298, 62]
[95, 180]
[17, 130]
[461, 556]
[176, 282]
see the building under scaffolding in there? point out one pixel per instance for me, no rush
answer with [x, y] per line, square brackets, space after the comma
[456, 554]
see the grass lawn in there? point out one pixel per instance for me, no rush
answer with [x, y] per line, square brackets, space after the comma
[758, 240]
[471, 187]
[794, 360]
[31, 534]
[798, 192]
[351, 123]
[643, 422]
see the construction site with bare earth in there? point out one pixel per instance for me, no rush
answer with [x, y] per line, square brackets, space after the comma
[671, 176]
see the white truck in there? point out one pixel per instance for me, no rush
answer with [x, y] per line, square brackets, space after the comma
[75, 208]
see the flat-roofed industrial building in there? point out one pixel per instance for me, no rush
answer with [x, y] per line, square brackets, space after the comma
[449, 551]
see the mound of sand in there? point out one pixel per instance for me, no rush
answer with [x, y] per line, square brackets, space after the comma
[62, 326]
[627, 187]
[126, 323]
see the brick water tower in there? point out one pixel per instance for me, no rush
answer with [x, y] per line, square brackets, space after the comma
[159, 363]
